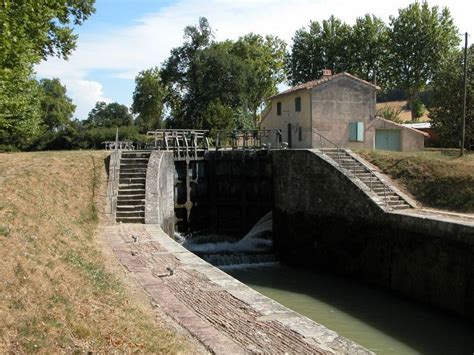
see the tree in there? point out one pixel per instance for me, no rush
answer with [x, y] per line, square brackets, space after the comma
[447, 99]
[420, 40]
[33, 30]
[148, 99]
[29, 32]
[367, 48]
[20, 117]
[324, 46]
[109, 115]
[203, 76]
[265, 60]
[56, 107]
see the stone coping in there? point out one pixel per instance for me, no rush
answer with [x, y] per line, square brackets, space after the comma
[224, 314]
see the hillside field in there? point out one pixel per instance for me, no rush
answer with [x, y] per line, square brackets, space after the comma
[58, 290]
[438, 178]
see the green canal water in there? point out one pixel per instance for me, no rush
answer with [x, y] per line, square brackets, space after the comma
[376, 319]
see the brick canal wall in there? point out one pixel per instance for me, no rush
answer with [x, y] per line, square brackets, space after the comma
[323, 218]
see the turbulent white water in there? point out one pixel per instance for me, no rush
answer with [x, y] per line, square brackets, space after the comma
[254, 248]
[256, 240]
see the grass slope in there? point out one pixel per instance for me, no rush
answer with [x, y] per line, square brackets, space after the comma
[437, 178]
[57, 294]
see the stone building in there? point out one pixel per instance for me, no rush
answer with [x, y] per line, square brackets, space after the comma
[339, 108]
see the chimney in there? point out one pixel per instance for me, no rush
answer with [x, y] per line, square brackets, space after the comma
[326, 73]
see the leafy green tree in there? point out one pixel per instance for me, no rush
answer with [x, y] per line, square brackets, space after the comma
[29, 32]
[109, 115]
[447, 100]
[148, 99]
[20, 117]
[33, 30]
[367, 47]
[56, 107]
[265, 62]
[420, 40]
[323, 46]
[204, 76]
[216, 116]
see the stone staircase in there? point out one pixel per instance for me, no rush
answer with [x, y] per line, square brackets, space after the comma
[388, 196]
[131, 191]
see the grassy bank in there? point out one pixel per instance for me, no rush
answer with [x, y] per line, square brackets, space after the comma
[437, 178]
[57, 292]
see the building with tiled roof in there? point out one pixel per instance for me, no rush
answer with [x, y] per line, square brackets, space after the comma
[336, 109]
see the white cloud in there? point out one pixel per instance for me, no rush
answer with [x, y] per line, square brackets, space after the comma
[85, 94]
[126, 51]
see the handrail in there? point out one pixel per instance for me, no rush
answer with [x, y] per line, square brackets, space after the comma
[356, 163]
[247, 138]
[321, 138]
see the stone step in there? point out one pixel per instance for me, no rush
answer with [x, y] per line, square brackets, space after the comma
[134, 159]
[133, 163]
[121, 197]
[130, 219]
[131, 170]
[396, 202]
[130, 208]
[401, 206]
[390, 197]
[135, 214]
[129, 192]
[127, 175]
[128, 202]
[132, 155]
[134, 184]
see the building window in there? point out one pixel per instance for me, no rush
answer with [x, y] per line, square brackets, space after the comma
[279, 108]
[300, 134]
[298, 104]
[356, 131]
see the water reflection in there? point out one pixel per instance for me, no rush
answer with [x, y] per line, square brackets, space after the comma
[378, 320]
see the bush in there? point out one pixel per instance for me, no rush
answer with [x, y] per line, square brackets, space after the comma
[389, 113]
[418, 109]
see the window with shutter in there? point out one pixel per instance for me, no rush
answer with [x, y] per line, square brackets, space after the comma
[298, 104]
[356, 131]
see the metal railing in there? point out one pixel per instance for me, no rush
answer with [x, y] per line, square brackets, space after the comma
[120, 145]
[355, 164]
[324, 139]
[185, 143]
[255, 139]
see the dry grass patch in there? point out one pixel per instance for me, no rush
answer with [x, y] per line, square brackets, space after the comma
[56, 293]
[437, 178]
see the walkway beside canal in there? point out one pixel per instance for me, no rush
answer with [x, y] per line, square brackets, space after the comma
[221, 312]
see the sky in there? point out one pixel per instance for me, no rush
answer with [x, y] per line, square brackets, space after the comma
[125, 37]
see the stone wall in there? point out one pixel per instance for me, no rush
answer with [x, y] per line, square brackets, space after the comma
[338, 102]
[159, 191]
[238, 190]
[322, 218]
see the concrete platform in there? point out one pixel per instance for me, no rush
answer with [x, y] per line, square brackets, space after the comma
[221, 312]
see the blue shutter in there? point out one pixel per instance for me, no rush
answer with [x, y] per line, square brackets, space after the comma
[356, 131]
[360, 131]
[353, 131]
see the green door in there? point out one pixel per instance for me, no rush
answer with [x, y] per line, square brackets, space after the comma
[387, 139]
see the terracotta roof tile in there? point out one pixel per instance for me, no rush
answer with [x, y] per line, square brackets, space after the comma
[311, 84]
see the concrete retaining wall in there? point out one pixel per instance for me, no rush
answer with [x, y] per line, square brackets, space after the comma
[322, 218]
[159, 191]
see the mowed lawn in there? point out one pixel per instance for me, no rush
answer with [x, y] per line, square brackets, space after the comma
[58, 291]
[438, 178]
